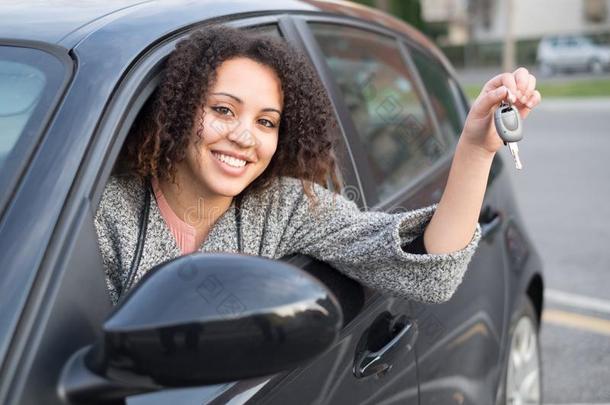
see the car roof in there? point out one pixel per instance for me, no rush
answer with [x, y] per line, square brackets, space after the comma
[50, 21]
[66, 22]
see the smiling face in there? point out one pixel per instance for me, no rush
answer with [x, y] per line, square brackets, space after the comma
[239, 127]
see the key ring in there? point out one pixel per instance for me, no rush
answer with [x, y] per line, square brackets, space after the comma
[506, 103]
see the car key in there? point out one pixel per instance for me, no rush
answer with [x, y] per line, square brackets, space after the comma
[508, 126]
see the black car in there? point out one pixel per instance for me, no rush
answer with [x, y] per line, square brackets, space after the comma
[73, 76]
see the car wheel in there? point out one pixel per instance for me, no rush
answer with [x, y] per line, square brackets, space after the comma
[523, 384]
[596, 67]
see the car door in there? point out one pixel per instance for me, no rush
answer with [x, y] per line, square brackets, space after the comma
[391, 125]
[407, 116]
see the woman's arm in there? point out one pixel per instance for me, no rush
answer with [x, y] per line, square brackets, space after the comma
[456, 216]
[455, 219]
[367, 246]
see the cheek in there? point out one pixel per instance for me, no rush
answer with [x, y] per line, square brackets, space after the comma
[194, 156]
[198, 149]
[268, 147]
[213, 131]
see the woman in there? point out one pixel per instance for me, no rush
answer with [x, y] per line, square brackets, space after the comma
[234, 147]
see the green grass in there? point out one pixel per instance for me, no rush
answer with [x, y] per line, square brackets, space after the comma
[576, 88]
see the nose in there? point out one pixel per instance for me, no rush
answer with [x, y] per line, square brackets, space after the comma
[243, 137]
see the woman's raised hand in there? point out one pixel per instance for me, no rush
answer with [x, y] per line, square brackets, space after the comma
[519, 87]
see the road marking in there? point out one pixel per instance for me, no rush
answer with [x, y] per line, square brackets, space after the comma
[578, 301]
[583, 403]
[578, 321]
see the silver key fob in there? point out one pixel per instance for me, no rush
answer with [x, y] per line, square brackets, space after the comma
[508, 123]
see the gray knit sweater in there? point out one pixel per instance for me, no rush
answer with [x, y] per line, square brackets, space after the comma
[365, 246]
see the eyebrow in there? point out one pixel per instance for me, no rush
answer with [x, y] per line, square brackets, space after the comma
[240, 101]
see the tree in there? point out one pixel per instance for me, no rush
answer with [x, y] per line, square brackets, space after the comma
[407, 10]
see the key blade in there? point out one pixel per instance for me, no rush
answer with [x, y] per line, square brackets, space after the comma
[514, 150]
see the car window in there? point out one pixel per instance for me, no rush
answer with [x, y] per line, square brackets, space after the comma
[442, 97]
[584, 41]
[29, 81]
[562, 43]
[386, 107]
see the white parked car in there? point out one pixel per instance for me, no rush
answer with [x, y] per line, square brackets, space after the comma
[571, 52]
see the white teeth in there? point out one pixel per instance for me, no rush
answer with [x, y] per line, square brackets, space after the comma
[230, 160]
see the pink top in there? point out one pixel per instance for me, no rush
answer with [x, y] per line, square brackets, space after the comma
[184, 234]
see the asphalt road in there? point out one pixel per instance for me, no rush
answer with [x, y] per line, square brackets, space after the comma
[564, 194]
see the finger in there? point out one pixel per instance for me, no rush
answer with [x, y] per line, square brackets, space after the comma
[522, 77]
[527, 94]
[532, 102]
[531, 86]
[488, 101]
[503, 79]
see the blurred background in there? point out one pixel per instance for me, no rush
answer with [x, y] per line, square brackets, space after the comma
[564, 187]
[556, 39]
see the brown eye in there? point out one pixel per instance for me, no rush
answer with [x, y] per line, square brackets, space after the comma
[222, 110]
[267, 123]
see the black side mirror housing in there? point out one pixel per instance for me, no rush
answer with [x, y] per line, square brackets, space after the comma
[207, 319]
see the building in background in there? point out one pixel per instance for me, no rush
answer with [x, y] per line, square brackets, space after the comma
[473, 32]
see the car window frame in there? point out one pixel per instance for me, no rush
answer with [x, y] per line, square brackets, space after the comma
[61, 54]
[12, 309]
[458, 96]
[458, 92]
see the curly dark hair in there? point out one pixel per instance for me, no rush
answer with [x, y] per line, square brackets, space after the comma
[162, 132]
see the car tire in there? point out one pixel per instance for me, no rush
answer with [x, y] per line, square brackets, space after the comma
[523, 369]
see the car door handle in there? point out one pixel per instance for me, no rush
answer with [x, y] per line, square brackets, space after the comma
[380, 361]
[490, 220]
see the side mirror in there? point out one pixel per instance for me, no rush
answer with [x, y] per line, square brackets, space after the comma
[207, 319]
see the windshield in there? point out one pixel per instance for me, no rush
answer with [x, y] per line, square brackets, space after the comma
[30, 80]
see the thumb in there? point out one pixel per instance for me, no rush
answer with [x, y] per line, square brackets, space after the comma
[491, 100]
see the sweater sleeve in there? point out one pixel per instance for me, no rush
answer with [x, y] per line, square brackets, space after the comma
[382, 250]
[416, 246]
